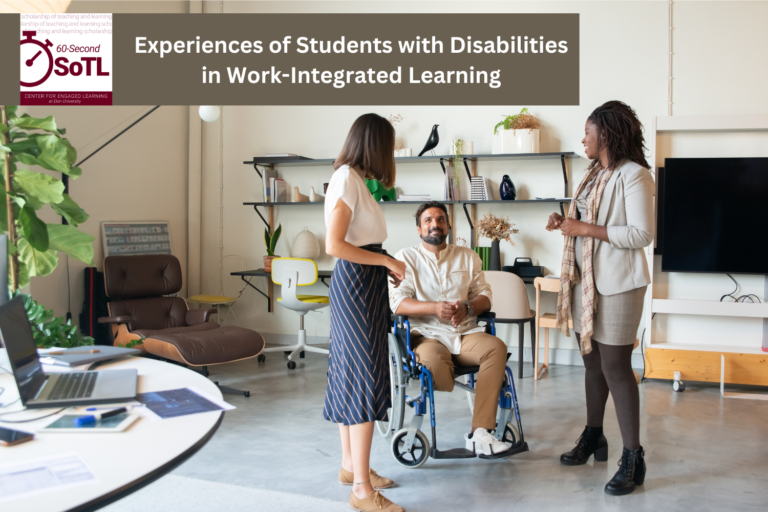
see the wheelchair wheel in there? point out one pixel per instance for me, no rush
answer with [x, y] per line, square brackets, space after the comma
[511, 435]
[470, 396]
[398, 383]
[418, 454]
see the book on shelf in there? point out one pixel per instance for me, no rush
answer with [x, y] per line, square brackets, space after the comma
[414, 197]
[479, 189]
[280, 191]
[268, 176]
[280, 154]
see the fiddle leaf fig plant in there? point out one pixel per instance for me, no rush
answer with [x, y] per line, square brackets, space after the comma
[34, 244]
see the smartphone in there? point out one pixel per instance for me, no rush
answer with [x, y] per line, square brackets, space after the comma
[10, 437]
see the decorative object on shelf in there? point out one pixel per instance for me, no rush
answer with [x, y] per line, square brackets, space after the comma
[399, 144]
[520, 134]
[305, 245]
[432, 142]
[298, 197]
[379, 192]
[270, 241]
[404, 152]
[467, 147]
[315, 197]
[496, 229]
[461, 242]
[480, 191]
[485, 256]
[209, 113]
[507, 190]
[524, 267]
[325, 188]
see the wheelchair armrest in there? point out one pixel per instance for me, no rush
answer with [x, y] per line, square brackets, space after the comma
[399, 318]
[487, 314]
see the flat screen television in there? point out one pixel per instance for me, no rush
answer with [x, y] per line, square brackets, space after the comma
[714, 212]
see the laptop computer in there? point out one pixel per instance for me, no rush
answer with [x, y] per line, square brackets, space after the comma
[38, 389]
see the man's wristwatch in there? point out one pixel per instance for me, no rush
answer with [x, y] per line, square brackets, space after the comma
[470, 309]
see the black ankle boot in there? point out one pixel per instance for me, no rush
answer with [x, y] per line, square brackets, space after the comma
[631, 473]
[591, 441]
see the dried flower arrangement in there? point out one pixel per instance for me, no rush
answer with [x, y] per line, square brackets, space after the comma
[521, 121]
[496, 228]
[393, 120]
[461, 242]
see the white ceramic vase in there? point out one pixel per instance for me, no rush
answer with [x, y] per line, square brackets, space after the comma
[516, 141]
[467, 148]
[305, 245]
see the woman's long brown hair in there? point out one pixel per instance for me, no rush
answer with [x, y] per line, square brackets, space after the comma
[370, 146]
[618, 129]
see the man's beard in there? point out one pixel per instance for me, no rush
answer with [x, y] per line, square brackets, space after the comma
[435, 239]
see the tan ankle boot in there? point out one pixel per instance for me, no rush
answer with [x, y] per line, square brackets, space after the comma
[374, 502]
[378, 482]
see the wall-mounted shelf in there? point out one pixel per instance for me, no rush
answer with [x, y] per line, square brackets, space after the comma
[710, 308]
[301, 161]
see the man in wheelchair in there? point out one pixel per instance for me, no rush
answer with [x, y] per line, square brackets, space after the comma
[442, 294]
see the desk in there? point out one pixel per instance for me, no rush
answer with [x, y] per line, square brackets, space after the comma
[123, 462]
[245, 275]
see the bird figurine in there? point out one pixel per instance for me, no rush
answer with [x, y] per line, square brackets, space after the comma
[431, 144]
[298, 197]
[314, 197]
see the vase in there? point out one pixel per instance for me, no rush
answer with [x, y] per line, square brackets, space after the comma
[495, 256]
[268, 263]
[507, 190]
[516, 141]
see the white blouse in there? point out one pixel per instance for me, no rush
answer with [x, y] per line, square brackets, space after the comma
[367, 225]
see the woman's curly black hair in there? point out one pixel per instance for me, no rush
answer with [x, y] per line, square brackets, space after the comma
[618, 129]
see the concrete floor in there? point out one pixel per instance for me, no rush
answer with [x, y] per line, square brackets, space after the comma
[703, 452]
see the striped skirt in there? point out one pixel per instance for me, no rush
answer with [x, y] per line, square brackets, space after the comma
[358, 374]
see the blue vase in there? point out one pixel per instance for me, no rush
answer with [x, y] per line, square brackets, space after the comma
[507, 190]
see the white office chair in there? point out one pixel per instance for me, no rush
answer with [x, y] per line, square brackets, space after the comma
[290, 273]
[510, 303]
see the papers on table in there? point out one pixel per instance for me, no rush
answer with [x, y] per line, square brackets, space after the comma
[179, 402]
[38, 476]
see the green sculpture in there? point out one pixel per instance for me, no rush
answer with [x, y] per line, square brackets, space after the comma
[379, 192]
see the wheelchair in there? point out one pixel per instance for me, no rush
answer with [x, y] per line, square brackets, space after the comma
[410, 446]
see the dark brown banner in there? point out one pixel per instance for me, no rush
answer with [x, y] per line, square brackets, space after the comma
[345, 59]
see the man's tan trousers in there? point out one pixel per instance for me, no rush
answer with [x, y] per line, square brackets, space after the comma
[476, 349]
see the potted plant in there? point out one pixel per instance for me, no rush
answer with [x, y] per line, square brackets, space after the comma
[33, 245]
[520, 134]
[496, 229]
[270, 240]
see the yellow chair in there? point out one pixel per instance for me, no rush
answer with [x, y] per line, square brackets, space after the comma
[290, 273]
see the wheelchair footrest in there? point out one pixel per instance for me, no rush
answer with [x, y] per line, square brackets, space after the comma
[453, 453]
[522, 447]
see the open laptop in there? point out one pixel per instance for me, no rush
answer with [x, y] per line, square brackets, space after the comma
[38, 389]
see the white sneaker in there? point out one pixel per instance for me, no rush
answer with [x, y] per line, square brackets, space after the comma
[482, 443]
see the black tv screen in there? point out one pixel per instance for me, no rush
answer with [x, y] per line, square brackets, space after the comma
[714, 215]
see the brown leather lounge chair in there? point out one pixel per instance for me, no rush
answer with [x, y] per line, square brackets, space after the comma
[136, 286]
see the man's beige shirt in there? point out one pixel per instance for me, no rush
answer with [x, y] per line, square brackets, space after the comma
[456, 276]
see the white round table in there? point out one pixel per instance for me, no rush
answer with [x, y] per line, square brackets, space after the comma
[123, 462]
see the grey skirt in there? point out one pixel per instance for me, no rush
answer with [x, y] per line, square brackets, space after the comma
[618, 316]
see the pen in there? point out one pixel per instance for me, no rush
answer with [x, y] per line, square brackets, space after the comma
[63, 353]
[93, 418]
[129, 407]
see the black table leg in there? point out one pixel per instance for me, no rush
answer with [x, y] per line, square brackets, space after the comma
[520, 356]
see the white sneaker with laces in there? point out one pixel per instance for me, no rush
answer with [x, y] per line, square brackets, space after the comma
[482, 443]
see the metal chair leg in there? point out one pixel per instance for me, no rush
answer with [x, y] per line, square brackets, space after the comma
[520, 346]
[533, 344]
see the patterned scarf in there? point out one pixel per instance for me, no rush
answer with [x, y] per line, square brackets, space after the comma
[569, 274]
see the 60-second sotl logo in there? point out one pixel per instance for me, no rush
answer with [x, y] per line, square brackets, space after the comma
[37, 61]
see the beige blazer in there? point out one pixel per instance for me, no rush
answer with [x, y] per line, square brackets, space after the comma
[626, 208]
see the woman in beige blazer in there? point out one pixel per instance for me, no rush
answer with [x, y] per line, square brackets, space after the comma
[603, 280]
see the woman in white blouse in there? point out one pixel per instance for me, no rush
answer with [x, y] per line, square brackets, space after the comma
[358, 377]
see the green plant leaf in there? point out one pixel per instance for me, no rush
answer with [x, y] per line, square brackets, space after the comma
[71, 152]
[32, 123]
[10, 110]
[53, 154]
[70, 210]
[23, 274]
[72, 241]
[4, 149]
[41, 186]
[275, 238]
[39, 263]
[3, 128]
[34, 229]
[266, 241]
[33, 203]
[28, 146]
[75, 172]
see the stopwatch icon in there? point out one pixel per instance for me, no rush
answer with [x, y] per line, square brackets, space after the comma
[36, 60]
